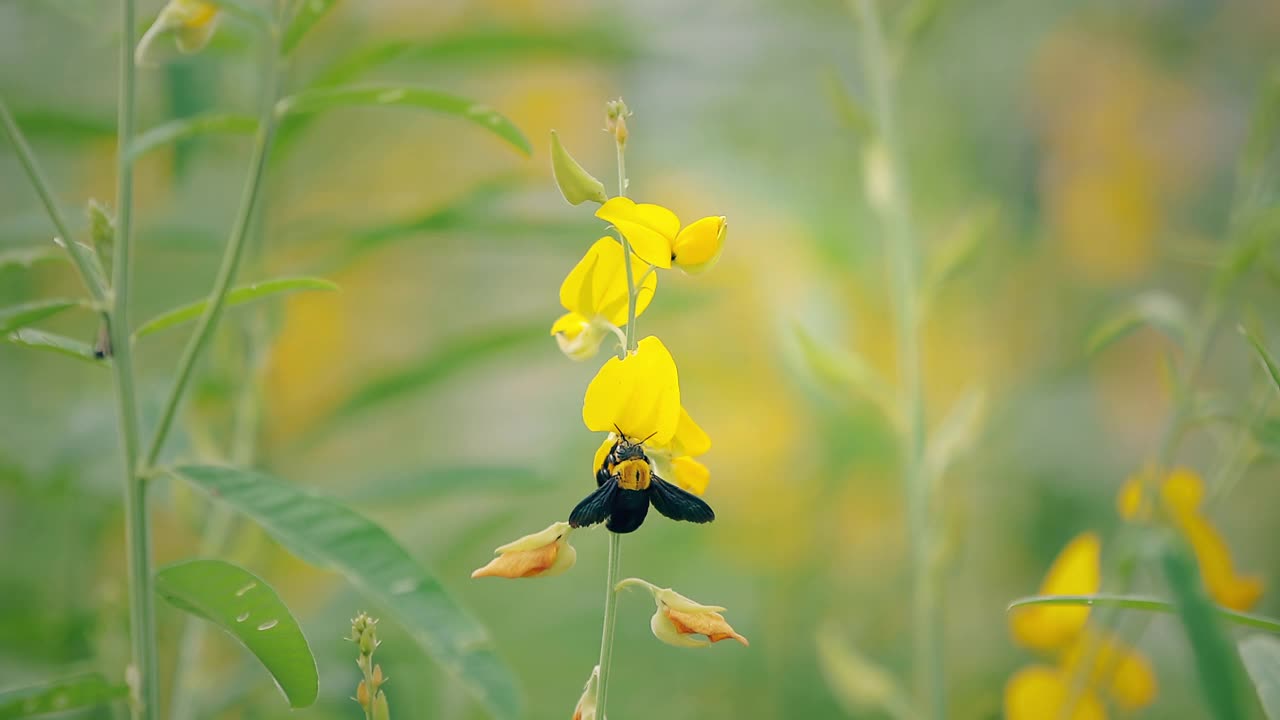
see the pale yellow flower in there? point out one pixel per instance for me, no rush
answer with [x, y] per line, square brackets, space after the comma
[541, 554]
[682, 622]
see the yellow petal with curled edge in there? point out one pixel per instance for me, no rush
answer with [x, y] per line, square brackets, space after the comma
[578, 339]
[546, 553]
[690, 474]
[1121, 671]
[651, 229]
[1039, 692]
[1076, 571]
[639, 395]
[597, 285]
[697, 247]
[680, 628]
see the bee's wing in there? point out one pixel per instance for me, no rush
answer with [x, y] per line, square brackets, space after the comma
[595, 507]
[678, 504]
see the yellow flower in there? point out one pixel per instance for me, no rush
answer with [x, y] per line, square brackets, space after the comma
[1182, 494]
[638, 397]
[1121, 671]
[595, 294]
[1040, 691]
[657, 238]
[1076, 571]
[674, 460]
[542, 554]
[192, 23]
[679, 621]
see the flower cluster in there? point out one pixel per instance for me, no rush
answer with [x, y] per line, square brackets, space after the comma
[1092, 668]
[648, 455]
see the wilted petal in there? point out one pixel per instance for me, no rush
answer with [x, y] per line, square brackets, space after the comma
[1076, 571]
[682, 629]
[546, 553]
[1040, 692]
[639, 395]
[586, 708]
[651, 229]
[698, 246]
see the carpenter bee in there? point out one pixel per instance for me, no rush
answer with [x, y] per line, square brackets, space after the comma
[626, 484]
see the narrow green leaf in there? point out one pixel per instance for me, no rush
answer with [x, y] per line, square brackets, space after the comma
[321, 99]
[1261, 655]
[326, 533]
[857, 681]
[1217, 663]
[422, 485]
[237, 296]
[1266, 433]
[62, 126]
[1264, 357]
[248, 609]
[40, 340]
[26, 257]
[917, 19]
[959, 247]
[309, 13]
[1150, 604]
[18, 316]
[848, 110]
[59, 696]
[1155, 309]
[955, 434]
[440, 364]
[204, 124]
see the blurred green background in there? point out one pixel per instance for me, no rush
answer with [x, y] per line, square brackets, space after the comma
[1090, 146]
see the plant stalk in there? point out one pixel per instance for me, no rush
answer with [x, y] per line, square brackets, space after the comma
[902, 253]
[137, 523]
[610, 621]
[230, 259]
[630, 343]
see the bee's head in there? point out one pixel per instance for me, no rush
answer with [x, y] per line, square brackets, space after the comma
[627, 449]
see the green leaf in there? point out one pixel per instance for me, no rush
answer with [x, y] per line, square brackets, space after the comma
[1264, 357]
[328, 534]
[955, 434]
[1149, 604]
[846, 371]
[27, 256]
[80, 691]
[442, 363]
[1261, 655]
[1156, 309]
[248, 609]
[857, 681]
[60, 125]
[848, 110]
[237, 296]
[18, 316]
[1217, 663]
[204, 124]
[40, 340]
[309, 13]
[575, 183]
[1266, 433]
[427, 484]
[959, 247]
[321, 99]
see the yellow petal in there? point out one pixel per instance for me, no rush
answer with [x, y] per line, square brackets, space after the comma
[578, 291]
[577, 338]
[698, 246]
[1039, 692]
[1076, 571]
[601, 453]
[1130, 680]
[1238, 592]
[597, 285]
[690, 439]
[640, 396]
[690, 474]
[651, 229]
[571, 324]
[1181, 491]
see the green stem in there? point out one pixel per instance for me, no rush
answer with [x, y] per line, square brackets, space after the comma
[230, 259]
[630, 343]
[80, 255]
[902, 255]
[610, 621]
[138, 528]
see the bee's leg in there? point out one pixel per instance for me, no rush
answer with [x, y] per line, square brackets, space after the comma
[603, 474]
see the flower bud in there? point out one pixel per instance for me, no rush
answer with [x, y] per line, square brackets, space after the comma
[191, 22]
[578, 338]
[698, 246]
[380, 709]
[586, 708]
[546, 554]
[616, 114]
[362, 694]
[575, 183]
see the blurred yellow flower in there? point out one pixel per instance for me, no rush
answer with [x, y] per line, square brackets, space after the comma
[1076, 571]
[657, 238]
[679, 621]
[595, 294]
[1039, 692]
[1182, 494]
[192, 23]
[638, 397]
[1121, 671]
[541, 554]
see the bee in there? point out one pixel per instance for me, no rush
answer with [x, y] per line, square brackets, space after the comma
[626, 485]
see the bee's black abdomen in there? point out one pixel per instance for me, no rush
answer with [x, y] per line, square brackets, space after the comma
[629, 510]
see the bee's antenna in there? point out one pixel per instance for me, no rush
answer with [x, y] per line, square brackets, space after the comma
[655, 432]
[620, 433]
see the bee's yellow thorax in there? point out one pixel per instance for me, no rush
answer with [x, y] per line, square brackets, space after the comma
[632, 474]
